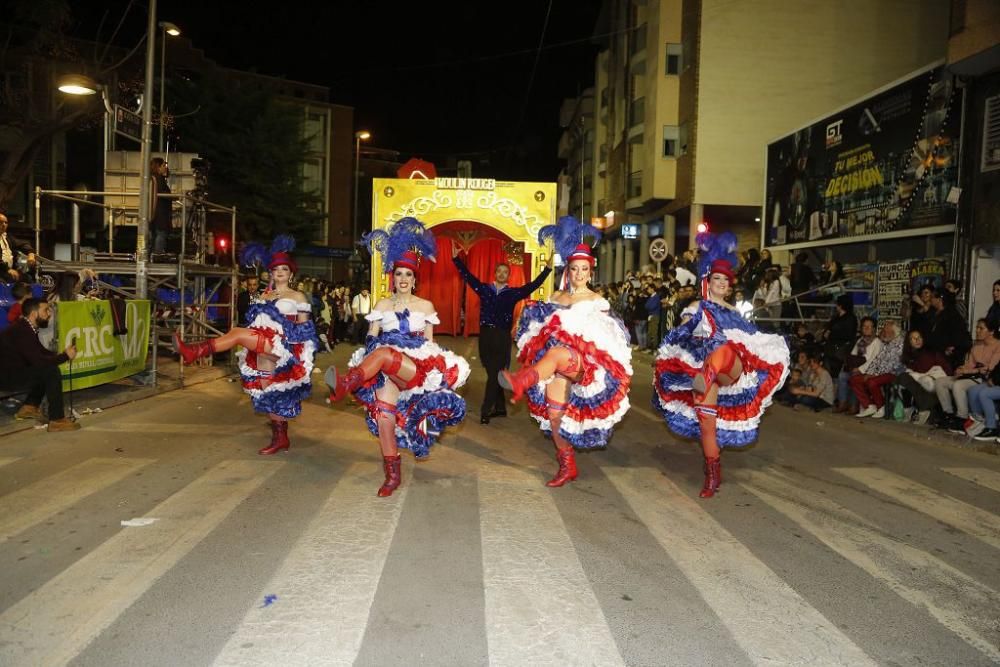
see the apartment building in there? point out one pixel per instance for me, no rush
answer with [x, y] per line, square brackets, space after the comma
[689, 92]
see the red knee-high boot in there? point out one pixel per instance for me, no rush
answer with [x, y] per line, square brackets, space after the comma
[391, 463]
[190, 353]
[393, 475]
[518, 382]
[565, 455]
[707, 415]
[279, 438]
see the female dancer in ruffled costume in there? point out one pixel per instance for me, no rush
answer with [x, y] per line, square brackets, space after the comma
[405, 380]
[278, 345]
[715, 373]
[576, 363]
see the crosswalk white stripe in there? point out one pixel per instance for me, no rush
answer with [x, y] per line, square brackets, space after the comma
[53, 624]
[36, 502]
[540, 608]
[965, 517]
[327, 583]
[957, 601]
[7, 460]
[981, 476]
[769, 620]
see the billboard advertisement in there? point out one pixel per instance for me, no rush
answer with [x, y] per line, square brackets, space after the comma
[883, 165]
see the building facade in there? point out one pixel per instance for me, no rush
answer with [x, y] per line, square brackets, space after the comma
[689, 92]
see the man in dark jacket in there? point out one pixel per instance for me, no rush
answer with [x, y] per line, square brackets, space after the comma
[25, 364]
[496, 318]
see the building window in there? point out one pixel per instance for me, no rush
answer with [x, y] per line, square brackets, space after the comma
[675, 59]
[671, 141]
[675, 138]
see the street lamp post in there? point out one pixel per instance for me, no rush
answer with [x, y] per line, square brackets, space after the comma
[168, 28]
[80, 85]
[359, 136]
[141, 252]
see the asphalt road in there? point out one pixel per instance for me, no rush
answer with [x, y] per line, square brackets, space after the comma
[834, 541]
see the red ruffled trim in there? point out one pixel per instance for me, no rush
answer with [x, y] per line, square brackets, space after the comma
[751, 364]
[591, 358]
[296, 372]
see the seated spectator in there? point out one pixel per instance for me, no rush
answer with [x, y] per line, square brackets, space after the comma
[982, 423]
[801, 338]
[818, 394]
[26, 365]
[882, 370]
[861, 356]
[800, 375]
[993, 314]
[923, 365]
[979, 362]
[949, 334]
[20, 292]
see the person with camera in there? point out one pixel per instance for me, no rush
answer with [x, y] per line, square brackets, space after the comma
[161, 208]
[25, 364]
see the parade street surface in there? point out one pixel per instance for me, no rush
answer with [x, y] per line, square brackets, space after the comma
[157, 536]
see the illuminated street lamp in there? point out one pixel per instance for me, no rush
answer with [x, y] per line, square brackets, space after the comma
[359, 136]
[168, 28]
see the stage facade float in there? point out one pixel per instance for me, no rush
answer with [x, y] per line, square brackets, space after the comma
[490, 221]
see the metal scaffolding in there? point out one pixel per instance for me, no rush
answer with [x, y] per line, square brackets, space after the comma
[198, 285]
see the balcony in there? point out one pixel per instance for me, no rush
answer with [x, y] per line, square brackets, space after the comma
[637, 113]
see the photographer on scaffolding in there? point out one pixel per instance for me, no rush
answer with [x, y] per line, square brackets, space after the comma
[161, 208]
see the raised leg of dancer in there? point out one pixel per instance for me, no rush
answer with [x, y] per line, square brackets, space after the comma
[399, 367]
[558, 359]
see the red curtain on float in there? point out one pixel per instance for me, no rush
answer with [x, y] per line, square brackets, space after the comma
[482, 262]
[438, 282]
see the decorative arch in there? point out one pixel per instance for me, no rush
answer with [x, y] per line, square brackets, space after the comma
[516, 210]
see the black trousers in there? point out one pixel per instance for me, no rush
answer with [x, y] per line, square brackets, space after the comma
[494, 353]
[38, 381]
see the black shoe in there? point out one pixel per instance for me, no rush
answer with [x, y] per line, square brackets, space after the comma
[955, 425]
[485, 419]
[987, 434]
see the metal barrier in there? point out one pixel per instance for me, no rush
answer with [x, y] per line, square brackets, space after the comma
[806, 311]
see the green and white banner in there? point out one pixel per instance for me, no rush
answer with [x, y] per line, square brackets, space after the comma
[101, 355]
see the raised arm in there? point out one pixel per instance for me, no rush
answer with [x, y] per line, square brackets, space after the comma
[525, 290]
[474, 282]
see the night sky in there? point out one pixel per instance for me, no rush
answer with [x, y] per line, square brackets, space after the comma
[427, 79]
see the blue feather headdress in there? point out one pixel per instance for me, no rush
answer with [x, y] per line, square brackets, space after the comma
[715, 247]
[257, 255]
[567, 234]
[406, 237]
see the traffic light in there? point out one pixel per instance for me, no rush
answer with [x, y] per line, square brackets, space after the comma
[702, 227]
[221, 244]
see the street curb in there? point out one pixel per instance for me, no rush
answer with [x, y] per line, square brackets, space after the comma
[923, 434]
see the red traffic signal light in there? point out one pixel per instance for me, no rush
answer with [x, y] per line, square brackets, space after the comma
[221, 242]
